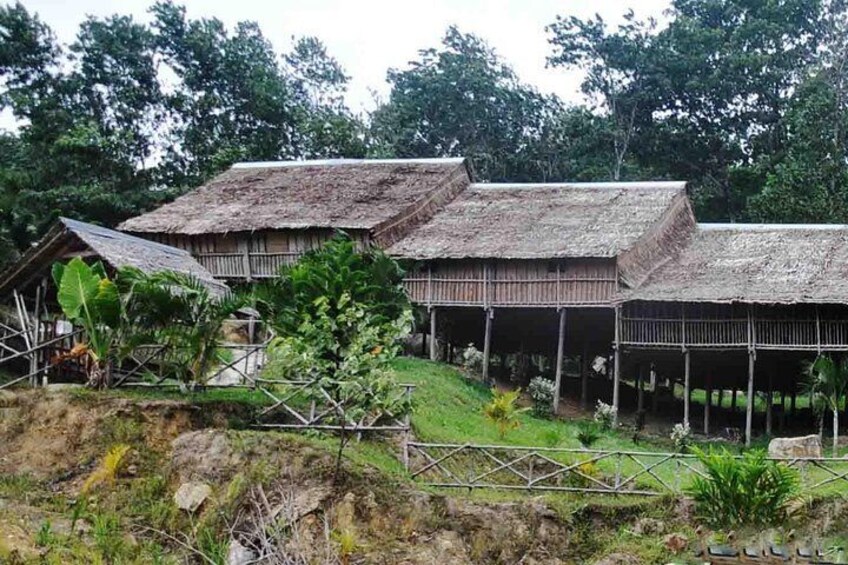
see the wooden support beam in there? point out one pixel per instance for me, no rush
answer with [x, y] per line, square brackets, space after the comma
[487, 342]
[584, 377]
[769, 405]
[640, 388]
[616, 382]
[434, 346]
[687, 391]
[708, 401]
[749, 410]
[655, 385]
[733, 402]
[559, 359]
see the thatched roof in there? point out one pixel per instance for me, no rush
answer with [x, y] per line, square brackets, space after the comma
[70, 238]
[534, 221]
[343, 193]
[755, 263]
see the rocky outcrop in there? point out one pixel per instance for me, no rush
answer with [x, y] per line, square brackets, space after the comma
[794, 447]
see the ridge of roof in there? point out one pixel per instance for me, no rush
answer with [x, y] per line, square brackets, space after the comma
[100, 231]
[770, 227]
[334, 162]
[666, 185]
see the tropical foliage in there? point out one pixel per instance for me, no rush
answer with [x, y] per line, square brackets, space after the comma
[166, 309]
[827, 384]
[542, 392]
[747, 490]
[503, 410]
[341, 316]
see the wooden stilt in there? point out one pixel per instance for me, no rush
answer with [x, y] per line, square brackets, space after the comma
[487, 343]
[687, 391]
[793, 396]
[434, 346]
[559, 359]
[733, 402]
[655, 381]
[584, 377]
[616, 365]
[708, 401]
[749, 411]
[640, 388]
[769, 406]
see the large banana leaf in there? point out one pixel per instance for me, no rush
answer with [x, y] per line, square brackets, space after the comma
[86, 295]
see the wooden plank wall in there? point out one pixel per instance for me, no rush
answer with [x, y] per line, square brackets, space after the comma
[578, 282]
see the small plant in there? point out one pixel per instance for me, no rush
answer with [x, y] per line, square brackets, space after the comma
[503, 410]
[472, 360]
[552, 438]
[681, 436]
[44, 537]
[750, 490]
[347, 542]
[542, 391]
[106, 472]
[605, 415]
[587, 434]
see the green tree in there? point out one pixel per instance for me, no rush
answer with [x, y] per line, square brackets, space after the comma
[702, 98]
[340, 315]
[827, 384]
[463, 100]
[503, 410]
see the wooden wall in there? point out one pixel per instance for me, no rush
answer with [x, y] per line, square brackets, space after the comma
[471, 282]
[252, 255]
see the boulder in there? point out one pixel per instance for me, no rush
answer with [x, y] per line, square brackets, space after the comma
[239, 554]
[793, 447]
[191, 496]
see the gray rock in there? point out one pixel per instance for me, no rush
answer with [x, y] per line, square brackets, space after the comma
[191, 496]
[239, 555]
[791, 447]
[619, 559]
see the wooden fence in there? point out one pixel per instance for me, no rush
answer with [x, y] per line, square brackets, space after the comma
[587, 471]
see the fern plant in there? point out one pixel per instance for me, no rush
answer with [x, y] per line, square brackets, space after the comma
[503, 410]
[743, 491]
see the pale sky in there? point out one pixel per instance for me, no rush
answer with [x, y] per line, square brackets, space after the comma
[370, 36]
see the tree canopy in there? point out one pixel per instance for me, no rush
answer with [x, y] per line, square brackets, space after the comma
[745, 99]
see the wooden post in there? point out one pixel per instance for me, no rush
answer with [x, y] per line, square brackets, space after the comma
[584, 377]
[792, 398]
[749, 410]
[655, 398]
[616, 383]
[640, 388]
[686, 386]
[559, 360]
[245, 258]
[708, 389]
[487, 343]
[434, 346]
[733, 402]
[769, 405]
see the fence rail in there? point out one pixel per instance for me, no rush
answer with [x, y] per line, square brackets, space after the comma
[588, 471]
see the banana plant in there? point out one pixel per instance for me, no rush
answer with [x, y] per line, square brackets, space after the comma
[89, 298]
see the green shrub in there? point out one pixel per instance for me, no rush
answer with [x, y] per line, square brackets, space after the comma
[588, 433]
[542, 392]
[743, 491]
[503, 410]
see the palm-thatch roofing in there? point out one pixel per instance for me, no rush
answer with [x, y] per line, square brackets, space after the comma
[70, 238]
[755, 263]
[343, 193]
[535, 221]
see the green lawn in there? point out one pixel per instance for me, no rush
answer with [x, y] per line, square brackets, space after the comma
[448, 408]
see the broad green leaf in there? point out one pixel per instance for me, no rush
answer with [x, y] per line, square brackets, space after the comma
[78, 289]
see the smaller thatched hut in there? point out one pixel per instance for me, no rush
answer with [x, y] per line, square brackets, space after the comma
[71, 238]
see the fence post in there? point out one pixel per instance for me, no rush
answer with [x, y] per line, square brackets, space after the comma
[617, 471]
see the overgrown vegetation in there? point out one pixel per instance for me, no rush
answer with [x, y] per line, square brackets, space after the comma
[747, 490]
[341, 315]
[827, 384]
[503, 410]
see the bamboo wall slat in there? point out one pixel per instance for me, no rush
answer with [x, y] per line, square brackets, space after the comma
[513, 283]
[792, 327]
